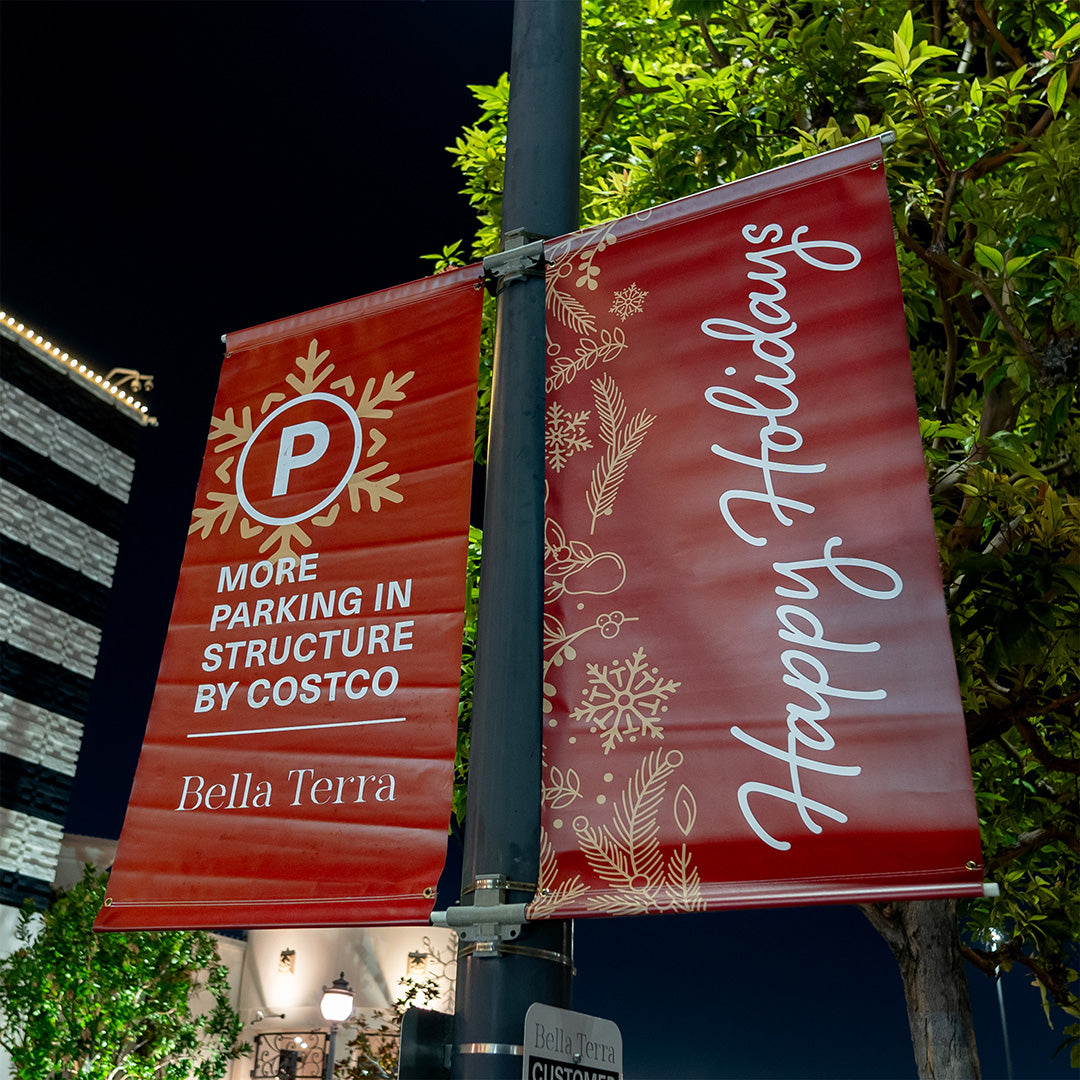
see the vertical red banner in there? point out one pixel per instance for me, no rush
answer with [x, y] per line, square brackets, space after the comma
[297, 765]
[749, 680]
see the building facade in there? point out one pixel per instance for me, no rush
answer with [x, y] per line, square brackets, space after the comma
[68, 438]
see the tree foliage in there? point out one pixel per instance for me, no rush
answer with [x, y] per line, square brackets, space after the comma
[375, 1049]
[980, 97]
[110, 1006]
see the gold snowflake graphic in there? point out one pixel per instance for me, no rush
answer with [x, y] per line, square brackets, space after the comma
[629, 301]
[369, 483]
[624, 698]
[564, 435]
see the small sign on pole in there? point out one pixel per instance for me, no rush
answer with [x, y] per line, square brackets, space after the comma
[565, 1045]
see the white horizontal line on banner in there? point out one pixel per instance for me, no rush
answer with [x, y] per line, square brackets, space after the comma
[297, 727]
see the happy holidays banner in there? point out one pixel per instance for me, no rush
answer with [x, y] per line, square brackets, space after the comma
[298, 760]
[750, 694]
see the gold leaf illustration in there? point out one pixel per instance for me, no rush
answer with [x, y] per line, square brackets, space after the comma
[685, 810]
[563, 789]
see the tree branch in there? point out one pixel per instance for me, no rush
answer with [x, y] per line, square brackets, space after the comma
[947, 262]
[1042, 753]
[1058, 987]
[884, 921]
[990, 162]
[987, 20]
[1032, 841]
[703, 25]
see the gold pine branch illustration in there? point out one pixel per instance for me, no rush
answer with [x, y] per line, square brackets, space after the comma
[552, 894]
[622, 442]
[566, 307]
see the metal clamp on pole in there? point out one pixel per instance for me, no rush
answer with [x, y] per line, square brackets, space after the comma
[522, 257]
[488, 921]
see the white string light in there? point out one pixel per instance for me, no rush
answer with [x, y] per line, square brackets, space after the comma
[51, 350]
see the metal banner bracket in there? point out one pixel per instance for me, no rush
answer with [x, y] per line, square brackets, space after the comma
[488, 922]
[522, 257]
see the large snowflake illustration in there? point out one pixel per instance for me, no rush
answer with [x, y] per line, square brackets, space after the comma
[565, 435]
[370, 483]
[624, 698]
[629, 301]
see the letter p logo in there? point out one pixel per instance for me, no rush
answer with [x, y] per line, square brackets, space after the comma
[324, 451]
[288, 459]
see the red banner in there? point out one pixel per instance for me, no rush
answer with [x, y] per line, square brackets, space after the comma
[749, 684]
[297, 765]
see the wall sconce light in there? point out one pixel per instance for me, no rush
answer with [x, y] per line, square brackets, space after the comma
[287, 962]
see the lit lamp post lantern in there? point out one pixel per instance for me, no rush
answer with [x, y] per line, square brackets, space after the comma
[336, 1006]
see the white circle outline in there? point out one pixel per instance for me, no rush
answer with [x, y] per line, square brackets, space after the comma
[242, 495]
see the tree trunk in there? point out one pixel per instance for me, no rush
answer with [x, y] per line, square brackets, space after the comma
[924, 938]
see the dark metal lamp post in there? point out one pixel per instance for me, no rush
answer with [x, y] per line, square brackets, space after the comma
[336, 1005]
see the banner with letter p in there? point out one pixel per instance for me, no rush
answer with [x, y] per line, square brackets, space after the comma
[298, 760]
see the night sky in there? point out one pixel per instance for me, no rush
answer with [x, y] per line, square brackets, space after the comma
[174, 171]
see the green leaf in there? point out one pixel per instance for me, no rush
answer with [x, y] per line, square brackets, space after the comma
[901, 48]
[1018, 263]
[1055, 92]
[989, 257]
[1070, 35]
[906, 33]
